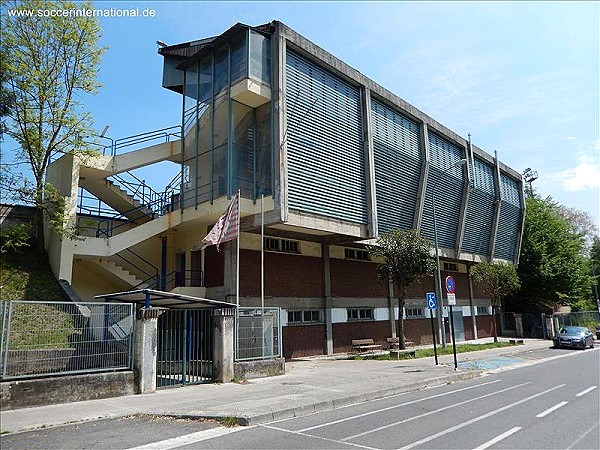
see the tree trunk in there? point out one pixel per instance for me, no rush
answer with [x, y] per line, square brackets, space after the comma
[38, 229]
[400, 323]
[494, 330]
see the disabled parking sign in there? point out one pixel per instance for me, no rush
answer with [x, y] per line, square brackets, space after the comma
[431, 302]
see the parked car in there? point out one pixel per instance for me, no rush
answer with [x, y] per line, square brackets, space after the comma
[578, 337]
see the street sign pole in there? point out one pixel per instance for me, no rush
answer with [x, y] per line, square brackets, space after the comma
[450, 288]
[431, 304]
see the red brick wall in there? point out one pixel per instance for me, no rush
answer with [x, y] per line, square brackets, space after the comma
[418, 331]
[304, 340]
[285, 275]
[343, 333]
[355, 279]
[484, 326]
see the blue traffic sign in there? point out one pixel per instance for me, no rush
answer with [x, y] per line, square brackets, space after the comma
[431, 302]
[450, 286]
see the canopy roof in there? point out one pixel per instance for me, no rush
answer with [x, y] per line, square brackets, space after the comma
[163, 299]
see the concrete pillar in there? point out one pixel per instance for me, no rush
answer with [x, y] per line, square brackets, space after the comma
[229, 272]
[145, 343]
[223, 322]
[327, 289]
[518, 325]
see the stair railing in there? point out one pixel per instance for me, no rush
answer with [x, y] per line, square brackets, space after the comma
[142, 265]
[162, 134]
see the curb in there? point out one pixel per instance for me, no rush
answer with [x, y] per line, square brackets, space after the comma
[305, 410]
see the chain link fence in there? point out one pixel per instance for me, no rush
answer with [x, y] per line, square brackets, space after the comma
[258, 333]
[56, 338]
[580, 319]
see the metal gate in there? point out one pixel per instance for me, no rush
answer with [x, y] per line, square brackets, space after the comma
[184, 347]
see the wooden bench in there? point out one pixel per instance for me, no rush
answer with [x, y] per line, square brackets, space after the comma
[364, 344]
[394, 346]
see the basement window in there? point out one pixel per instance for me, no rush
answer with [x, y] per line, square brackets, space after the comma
[484, 310]
[414, 313]
[356, 254]
[301, 317]
[450, 267]
[281, 245]
[356, 314]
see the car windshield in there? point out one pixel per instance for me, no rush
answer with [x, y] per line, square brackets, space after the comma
[572, 330]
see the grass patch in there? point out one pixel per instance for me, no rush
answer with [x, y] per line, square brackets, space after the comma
[4, 432]
[424, 353]
[230, 422]
[25, 275]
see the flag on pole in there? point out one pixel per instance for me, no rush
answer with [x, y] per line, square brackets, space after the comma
[227, 227]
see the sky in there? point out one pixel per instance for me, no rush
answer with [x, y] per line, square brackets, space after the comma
[521, 77]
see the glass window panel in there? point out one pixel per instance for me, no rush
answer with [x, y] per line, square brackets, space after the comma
[206, 79]
[263, 150]
[239, 58]
[243, 147]
[260, 57]
[221, 68]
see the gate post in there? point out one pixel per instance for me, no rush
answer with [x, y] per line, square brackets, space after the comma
[223, 357]
[144, 360]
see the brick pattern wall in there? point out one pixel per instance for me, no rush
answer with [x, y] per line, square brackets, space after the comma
[285, 275]
[355, 279]
[343, 333]
[304, 340]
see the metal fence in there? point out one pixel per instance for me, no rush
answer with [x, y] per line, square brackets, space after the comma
[258, 333]
[57, 338]
[582, 319]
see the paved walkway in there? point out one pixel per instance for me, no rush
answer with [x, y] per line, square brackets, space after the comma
[309, 385]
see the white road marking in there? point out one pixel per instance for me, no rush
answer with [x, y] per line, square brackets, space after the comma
[318, 437]
[358, 416]
[410, 419]
[477, 419]
[580, 438]
[549, 410]
[498, 438]
[191, 438]
[590, 389]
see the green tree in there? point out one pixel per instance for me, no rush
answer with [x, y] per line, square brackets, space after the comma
[48, 63]
[407, 258]
[498, 281]
[552, 267]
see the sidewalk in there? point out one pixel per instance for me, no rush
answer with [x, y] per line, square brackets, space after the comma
[309, 385]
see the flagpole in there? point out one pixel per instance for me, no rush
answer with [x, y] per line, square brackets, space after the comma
[237, 282]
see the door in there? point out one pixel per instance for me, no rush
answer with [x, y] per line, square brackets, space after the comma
[184, 347]
[180, 269]
[196, 278]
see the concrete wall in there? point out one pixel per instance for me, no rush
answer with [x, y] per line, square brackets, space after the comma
[247, 370]
[46, 391]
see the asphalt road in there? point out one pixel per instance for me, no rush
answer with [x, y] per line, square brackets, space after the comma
[551, 405]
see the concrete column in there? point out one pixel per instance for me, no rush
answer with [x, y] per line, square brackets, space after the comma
[391, 309]
[462, 218]
[145, 342]
[418, 217]
[229, 271]
[497, 205]
[223, 322]
[369, 161]
[327, 289]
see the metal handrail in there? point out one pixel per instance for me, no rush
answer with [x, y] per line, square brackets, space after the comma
[162, 133]
[153, 268]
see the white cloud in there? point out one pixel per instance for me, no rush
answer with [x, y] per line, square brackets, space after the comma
[585, 175]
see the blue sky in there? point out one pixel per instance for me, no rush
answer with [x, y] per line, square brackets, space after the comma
[522, 78]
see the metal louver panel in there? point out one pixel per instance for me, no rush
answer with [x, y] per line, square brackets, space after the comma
[480, 210]
[325, 155]
[509, 224]
[448, 185]
[398, 159]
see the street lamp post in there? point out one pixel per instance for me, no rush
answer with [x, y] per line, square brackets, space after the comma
[438, 284]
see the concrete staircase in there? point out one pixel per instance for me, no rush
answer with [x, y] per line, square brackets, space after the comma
[117, 198]
[120, 273]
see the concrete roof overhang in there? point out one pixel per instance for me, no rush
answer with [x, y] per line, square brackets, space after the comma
[164, 299]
